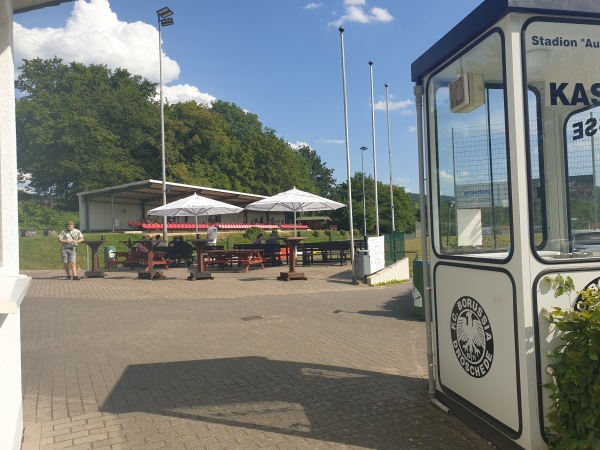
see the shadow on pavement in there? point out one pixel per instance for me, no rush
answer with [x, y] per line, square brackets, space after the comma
[399, 307]
[328, 403]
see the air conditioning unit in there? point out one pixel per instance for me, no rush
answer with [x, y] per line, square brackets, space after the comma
[466, 92]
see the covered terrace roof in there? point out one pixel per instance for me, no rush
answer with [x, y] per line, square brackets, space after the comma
[21, 6]
[150, 191]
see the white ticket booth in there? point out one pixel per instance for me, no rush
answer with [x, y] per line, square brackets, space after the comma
[510, 108]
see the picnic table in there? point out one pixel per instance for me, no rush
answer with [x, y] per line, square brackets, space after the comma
[201, 273]
[225, 258]
[150, 259]
[269, 252]
[292, 243]
[129, 243]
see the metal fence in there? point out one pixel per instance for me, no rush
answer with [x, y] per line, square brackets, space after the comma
[393, 247]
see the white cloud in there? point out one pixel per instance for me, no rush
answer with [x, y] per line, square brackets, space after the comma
[356, 11]
[412, 129]
[313, 5]
[94, 34]
[394, 106]
[298, 144]
[185, 93]
[332, 141]
[445, 176]
[381, 15]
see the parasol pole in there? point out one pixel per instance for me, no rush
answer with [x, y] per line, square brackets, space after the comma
[196, 216]
[295, 232]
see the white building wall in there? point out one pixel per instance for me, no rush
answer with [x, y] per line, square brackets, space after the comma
[11, 401]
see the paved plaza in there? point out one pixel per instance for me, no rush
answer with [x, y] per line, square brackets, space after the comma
[243, 361]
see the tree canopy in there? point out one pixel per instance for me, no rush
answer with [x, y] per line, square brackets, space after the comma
[82, 127]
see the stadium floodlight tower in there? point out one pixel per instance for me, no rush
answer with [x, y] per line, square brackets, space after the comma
[164, 20]
[508, 110]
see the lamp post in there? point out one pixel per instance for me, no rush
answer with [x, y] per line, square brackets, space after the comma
[362, 160]
[387, 107]
[164, 20]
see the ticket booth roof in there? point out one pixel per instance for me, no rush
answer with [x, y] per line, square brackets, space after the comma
[486, 15]
[150, 191]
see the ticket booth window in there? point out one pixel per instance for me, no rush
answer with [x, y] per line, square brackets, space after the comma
[469, 153]
[563, 107]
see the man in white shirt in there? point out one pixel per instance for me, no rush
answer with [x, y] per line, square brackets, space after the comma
[211, 234]
[69, 238]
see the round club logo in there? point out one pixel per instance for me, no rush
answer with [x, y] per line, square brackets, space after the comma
[578, 304]
[472, 338]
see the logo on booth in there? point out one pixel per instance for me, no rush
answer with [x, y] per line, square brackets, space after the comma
[578, 305]
[472, 338]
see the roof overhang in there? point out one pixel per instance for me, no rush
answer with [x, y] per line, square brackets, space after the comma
[486, 15]
[150, 192]
[21, 6]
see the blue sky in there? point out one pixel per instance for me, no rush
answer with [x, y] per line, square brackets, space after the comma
[279, 59]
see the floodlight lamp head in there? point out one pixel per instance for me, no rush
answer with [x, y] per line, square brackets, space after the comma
[164, 12]
[386, 85]
[370, 63]
[341, 29]
[166, 22]
[363, 148]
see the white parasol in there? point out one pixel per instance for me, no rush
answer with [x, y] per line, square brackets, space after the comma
[194, 205]
[294, 200]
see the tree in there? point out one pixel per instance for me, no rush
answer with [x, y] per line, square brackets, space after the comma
[81, 127]
[405, 209]
[85, 127]
[319, 172]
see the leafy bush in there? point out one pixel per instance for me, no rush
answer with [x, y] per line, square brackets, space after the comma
[575, 412]
[316, 233]
[36, 216]
[252, 233]
[343, 233]
[328, 233]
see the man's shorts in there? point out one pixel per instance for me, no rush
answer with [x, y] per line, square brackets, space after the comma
[68, 254]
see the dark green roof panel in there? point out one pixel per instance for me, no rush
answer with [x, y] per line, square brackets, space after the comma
[485, 16]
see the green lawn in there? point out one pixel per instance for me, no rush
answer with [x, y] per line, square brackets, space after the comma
[42, 252]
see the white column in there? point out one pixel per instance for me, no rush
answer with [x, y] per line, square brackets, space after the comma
[9, 225]
[12, 287]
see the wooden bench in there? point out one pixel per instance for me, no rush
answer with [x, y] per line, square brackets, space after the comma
[331, 251]
[225, 258]
[269, 252]
[134, 258]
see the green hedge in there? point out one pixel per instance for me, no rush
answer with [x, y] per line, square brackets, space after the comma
[575, 413]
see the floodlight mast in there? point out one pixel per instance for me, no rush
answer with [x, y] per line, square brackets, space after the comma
[350, 217]
[164, 20]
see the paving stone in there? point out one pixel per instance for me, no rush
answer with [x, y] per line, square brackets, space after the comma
[123, 363]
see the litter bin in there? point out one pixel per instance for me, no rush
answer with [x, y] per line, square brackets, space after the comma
[110, 252]
[418, 289]
[363, 263]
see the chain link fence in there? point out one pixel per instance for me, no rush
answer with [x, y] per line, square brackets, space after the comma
[393, 247]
